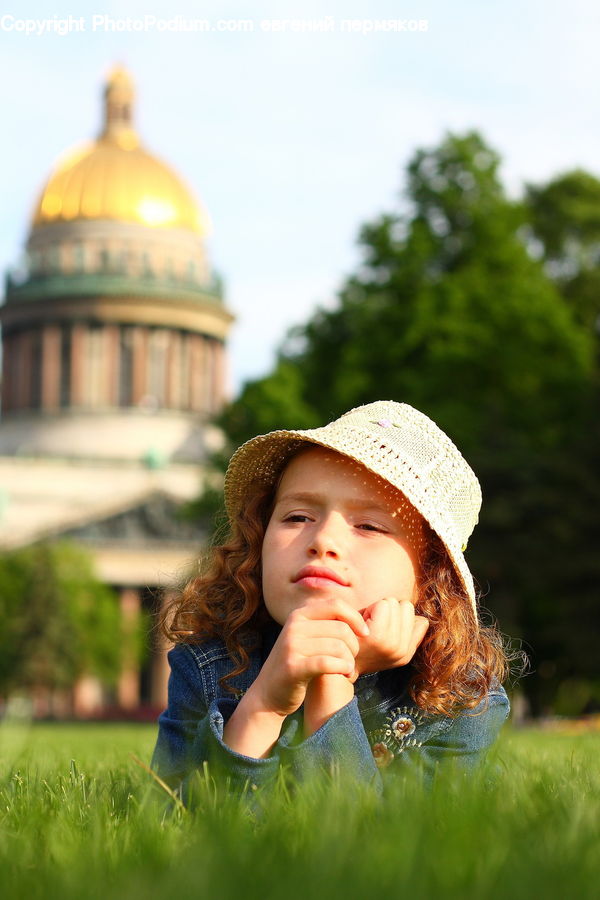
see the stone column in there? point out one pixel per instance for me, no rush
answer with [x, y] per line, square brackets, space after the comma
[128, 689]
[87, 697]
[78, 350]
[196, 372]
[208, 375]
[50, 367]
[213, 374]
[220, 376]
[24, 350]
[95, 378]
[160, 679]
[185, 378]
[140, 364]
[157, 381]
[160, 664]
[111, 365]
[173, 399]
[8, 367]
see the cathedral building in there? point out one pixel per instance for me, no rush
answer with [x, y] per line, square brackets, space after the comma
[113, 366]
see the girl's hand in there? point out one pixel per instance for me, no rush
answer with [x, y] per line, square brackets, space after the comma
[320, 638]
[395, 632]
[317, 639]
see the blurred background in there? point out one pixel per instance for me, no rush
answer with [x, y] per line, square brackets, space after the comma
[224, 221]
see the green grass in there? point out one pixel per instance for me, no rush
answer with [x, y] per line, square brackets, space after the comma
[93, 828]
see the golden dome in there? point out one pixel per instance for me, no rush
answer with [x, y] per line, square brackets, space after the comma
[115, 178]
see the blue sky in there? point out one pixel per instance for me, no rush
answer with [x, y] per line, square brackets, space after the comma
[291, 140]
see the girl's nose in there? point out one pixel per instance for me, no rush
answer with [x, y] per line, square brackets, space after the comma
[325, 540]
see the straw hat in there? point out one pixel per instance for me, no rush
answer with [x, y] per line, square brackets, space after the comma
[393, 440]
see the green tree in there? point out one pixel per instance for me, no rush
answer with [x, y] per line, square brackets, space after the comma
[564, 229]
[450, 313]
[447, 311]
[564, 217]
[454, 311]
[57, 621]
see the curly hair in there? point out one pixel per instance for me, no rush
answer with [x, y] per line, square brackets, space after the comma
[453, 669]
[459, 659]
[225, 600]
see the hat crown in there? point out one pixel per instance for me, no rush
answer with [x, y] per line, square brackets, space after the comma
[408, 440]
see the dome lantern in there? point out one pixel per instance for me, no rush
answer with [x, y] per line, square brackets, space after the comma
[119, 95]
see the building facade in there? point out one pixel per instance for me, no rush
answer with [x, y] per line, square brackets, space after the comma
[113, 366]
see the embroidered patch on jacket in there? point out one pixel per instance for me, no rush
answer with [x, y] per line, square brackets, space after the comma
[382, 754]
[395, 735]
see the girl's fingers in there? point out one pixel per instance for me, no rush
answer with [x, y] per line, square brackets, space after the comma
[413, 638]
[405, 629]
[403, 618]
[380, 615]
[326, 646]
[317, 628]
[334, 609]
[328, 665]
[392, 623]
[419, 631]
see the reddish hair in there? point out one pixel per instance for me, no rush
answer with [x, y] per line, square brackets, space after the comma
[459, 659]
[454, 667]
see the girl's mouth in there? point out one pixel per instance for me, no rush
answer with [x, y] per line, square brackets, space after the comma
[317, 576]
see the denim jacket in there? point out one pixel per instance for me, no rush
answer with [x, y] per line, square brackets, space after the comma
[380, 731]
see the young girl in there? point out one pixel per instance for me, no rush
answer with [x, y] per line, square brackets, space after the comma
[338, 625]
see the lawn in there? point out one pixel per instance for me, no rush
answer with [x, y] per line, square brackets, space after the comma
[80, 819]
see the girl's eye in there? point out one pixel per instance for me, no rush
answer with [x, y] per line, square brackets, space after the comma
[368, 526]
[296, 517]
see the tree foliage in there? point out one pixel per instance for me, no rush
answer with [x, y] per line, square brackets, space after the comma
[57, 621]
[564, 216]
[480, 311]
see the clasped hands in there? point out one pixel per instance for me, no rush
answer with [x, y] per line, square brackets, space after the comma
[322, 649]
[324, 638]
[394, 633]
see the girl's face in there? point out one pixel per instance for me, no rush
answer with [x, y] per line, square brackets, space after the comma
[338, 531]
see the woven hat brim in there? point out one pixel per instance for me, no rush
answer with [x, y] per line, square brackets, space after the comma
[262, 459]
